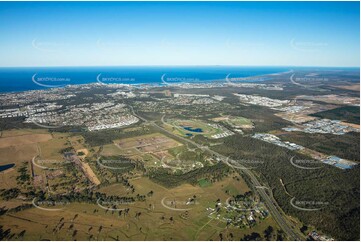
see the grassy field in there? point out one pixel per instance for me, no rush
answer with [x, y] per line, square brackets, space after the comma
[110, 150]
[235, 122]
[204, 183]
[19, 132]
[17, 147]
[52, 149]
[240, 122]
[45, 149]
[159, 220]
[23, 139]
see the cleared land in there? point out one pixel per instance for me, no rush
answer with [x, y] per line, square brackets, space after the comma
[152, 149]
[90, 173]
[147, 143]
[18, 132]
[24, 139]
[349, 86]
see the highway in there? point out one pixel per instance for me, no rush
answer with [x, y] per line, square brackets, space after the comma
[269, 200]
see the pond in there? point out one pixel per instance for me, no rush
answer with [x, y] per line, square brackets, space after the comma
[196, 130]
[5, 167]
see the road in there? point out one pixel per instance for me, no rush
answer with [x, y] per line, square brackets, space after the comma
[269, 201]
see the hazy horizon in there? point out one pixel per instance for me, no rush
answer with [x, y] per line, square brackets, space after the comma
[85, 66]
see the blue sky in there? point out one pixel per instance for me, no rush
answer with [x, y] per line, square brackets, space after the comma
[179, 33]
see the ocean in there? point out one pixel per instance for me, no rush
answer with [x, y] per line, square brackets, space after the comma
[16, 79]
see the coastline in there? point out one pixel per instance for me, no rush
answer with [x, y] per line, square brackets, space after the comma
[243, 78]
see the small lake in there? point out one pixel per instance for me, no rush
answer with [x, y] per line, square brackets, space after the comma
[5, 167]
[196, 130]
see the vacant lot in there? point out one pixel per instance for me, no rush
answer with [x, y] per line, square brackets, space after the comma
[147, 142]
[24, 139]
[18, 132]
[148, 148]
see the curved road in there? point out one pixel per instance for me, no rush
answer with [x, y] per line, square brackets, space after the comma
[269, 201]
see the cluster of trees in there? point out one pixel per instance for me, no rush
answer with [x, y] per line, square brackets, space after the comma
[24, 177]
[8, 194]
[349, 113]
[240, 197]
[15, 123]
[338, 190]
[268, 234]
[6, 234]
[66, 149]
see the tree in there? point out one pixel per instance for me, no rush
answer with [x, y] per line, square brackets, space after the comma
[220, 236]
[303, 229]
[268, 232]
[252, 236]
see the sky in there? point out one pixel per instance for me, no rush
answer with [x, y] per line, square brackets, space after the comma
[179, 33]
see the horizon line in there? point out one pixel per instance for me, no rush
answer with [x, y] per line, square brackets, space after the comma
[217, 65]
